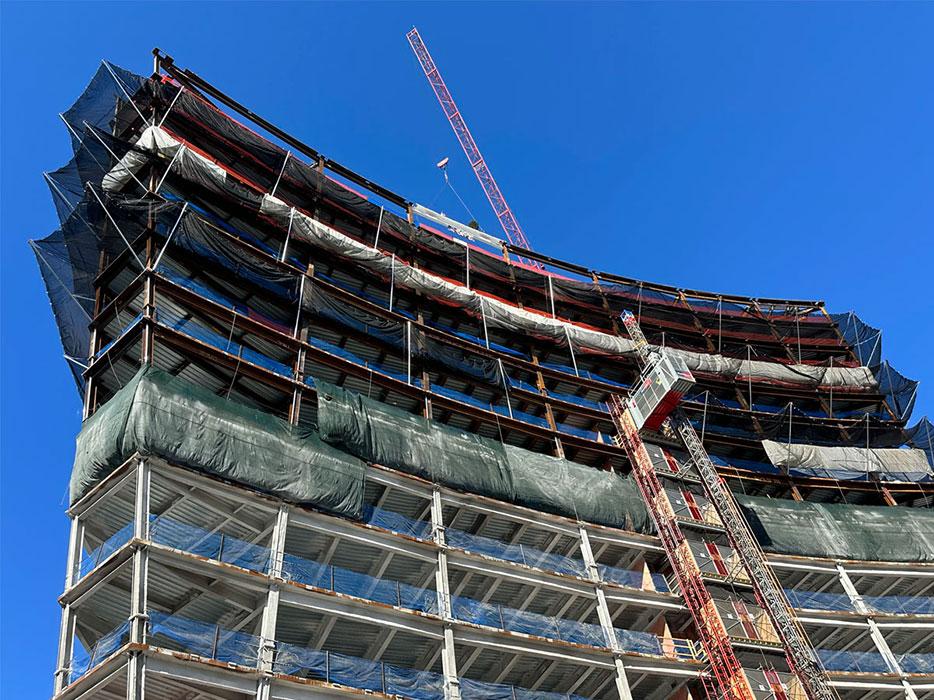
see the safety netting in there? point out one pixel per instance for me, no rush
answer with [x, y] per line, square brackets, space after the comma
[263, 162]
[842, 462]
[880, 604]
[165, 416]
[841, 531]
[494, 311]
[513, 552]
[90, 560]
[211, 641]
[219, 546]
[113, 102]
[97, 148]
[386, 435]
[853, 661]
[83, 660]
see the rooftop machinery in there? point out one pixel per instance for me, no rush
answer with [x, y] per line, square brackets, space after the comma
[654, 403]
[506, 218]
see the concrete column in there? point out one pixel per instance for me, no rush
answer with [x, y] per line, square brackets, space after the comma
[448, 658]
[603, 612]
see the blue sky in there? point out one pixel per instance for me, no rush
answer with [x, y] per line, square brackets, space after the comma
[779, 150]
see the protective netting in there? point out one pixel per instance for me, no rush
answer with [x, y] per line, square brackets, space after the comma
[386, 435]
[841, 531]
[494, 312]
[106, 103]
[158, 414]
[817, 600]
[516, 553]
[864, 340]
[106, 645]
[92, 559]
[203, 639]
[221, 547]
[921, 664]
[218, 546]
[264, 163]
[853, 661]
[212, 641]
[921, 436]
[106, 108]
[821, 460]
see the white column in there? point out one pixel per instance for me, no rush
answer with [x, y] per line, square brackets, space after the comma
[603, 612]
[136, 676]
[448, 658]
[271, 606]
[138, 599]
[136, 665]
[75, 545]
[66, 634]
[874, 632]
[66, 639]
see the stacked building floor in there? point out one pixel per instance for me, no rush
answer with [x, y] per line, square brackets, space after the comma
[335, 443]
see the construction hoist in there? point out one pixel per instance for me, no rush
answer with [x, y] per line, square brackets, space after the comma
[653, 406]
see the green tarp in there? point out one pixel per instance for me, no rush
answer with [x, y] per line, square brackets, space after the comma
[841, 531]
[383, 434]
[158, 414]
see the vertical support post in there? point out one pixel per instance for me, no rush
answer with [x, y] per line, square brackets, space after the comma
[271, 606]
[136, 676]
[136, 666]
[75, 547]
[874, 632]
[149, 316]
[66, 640]
[603, 613]
[448, 659]
[66, 637]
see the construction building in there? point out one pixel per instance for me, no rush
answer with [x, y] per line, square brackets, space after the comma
[336, 443]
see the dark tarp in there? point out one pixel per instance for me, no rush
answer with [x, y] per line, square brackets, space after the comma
[161, 415]
[400, 440]
[841, 531]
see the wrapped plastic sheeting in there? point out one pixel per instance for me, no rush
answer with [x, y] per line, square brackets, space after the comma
[203, 639]
[395, 438]
[158, 414]
[846, 459]
[841, 531]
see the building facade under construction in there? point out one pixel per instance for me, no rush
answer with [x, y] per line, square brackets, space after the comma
[336, 443]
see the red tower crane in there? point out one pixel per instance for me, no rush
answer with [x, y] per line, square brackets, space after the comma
[506, 218]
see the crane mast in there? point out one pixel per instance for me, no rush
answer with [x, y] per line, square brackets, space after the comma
[493, 193]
